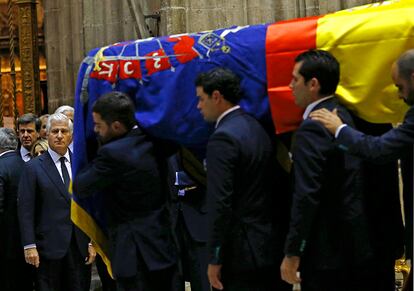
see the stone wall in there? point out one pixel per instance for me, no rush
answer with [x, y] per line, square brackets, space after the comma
[195, 15]
[73, 27]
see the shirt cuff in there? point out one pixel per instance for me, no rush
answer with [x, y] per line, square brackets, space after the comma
[31, 246]
[338, 130]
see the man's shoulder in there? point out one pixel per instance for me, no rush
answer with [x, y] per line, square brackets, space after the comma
[10, 156]
[126, 146]
[37, 161]
[236, 120]
[232, 127]
[10, 160]
[131, 139]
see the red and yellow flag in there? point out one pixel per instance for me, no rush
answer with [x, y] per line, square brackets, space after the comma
[366, 40]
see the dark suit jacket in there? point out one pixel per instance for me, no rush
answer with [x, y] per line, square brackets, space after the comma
[395, 143]
[44, 210]
[239, 171]
[328, 227]
[128, 172]
[11, 165]
[193, 205]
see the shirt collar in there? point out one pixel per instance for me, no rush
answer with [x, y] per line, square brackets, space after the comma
[25, 154]
[9, 151]
[225, 113]
[311, 106]
[55, 156]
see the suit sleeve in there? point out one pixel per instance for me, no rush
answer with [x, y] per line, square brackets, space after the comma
[379, 149]
[309, 159]
[222, 155]
[99, 174]
[26, 204]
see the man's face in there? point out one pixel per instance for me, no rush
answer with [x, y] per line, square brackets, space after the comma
[206, 105]
[405, 87]
[102, 129]
[59, 136]
[300, 88]
[28, 135]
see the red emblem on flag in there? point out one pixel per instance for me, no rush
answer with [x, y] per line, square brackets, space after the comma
[129, 69]
[109, 70]
[184, 48]
[158, 62]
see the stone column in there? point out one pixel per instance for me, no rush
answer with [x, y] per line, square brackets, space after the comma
[29, 55]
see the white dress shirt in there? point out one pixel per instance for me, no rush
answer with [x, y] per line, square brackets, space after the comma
[25, 154]
[56, 159]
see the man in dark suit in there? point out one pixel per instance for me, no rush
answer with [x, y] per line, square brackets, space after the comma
[396, 143]
[328, 237]
[15, 274]
[242, 240]
[189, 212]
[131, 174]
[52, 243]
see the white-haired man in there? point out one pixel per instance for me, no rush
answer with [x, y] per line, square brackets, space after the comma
[52, 243]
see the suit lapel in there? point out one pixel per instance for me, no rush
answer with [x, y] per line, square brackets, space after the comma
[51, 171]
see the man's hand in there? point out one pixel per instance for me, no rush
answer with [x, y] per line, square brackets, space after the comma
[289, 268]
[32, 257]
[328, 119]
[91, 255]
[214, 276]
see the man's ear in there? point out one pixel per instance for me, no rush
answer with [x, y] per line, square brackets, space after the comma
[216, 96]
[315, 85]
[116, 125]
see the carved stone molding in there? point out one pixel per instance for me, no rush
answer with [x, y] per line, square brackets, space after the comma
[29, 55]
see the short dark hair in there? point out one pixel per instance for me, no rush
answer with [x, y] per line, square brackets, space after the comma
[222, 80]
[116, 106]
[321, 65]
[406, 64]
[29, 118]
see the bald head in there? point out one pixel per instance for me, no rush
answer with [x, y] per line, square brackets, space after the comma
[405, 65]
[403, 76]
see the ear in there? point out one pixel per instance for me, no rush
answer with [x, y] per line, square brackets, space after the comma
[314, 84]
[116, 125]
[216, 96]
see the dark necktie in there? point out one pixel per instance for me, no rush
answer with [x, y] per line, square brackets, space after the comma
[65, 173]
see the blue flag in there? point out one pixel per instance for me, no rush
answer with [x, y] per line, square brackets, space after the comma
[159, 75]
